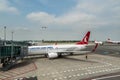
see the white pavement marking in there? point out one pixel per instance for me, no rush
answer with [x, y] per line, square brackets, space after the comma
[72, 70]
[84, 74]
[78, 74]
[93, 72]
[65, 77]
[60, 78]
[74, 75]
[89, 73]
[65, 71]
[106, 77]
[83, 71]
[43, 74]
[70, 76]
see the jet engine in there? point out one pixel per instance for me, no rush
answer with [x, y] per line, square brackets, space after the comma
[52, 55]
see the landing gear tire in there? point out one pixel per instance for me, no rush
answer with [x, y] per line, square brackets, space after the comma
[46, 55]
[59, 55]
[4, 64]
[71, 53]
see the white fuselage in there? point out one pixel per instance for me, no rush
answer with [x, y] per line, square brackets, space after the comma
[115, 42]
[54, 51]
[54, 48]
[99, 42]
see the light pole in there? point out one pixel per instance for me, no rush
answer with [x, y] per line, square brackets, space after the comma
[12, 47]
[12, 34]
[4, 35]
[43, 28]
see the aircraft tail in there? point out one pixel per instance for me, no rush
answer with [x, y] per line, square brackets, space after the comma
[85, 39]
[108, 39]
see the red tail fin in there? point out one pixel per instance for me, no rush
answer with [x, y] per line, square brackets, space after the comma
[85, 39]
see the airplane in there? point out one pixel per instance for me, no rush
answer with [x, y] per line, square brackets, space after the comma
[114, 42]
[32, 43]
[55, 51]
[98, 42]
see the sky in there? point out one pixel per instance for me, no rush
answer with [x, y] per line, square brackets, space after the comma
[63, 19]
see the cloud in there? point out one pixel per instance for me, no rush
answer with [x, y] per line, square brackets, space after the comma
[84, 13]
[73, 18]
[41, 17]
[99, 16]
[22, 29]
[5, 7]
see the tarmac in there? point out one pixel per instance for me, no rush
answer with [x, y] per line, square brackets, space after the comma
[104, 64]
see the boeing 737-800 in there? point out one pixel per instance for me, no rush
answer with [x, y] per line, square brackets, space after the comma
[54, 51]
[114, 42]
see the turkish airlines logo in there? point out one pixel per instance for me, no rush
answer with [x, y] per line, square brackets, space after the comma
[86, 39]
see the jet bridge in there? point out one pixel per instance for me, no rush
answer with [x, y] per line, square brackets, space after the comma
[9, 55]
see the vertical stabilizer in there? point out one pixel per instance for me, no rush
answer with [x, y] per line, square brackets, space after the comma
[85, 39]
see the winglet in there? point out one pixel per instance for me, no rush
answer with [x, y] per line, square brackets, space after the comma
[95, 47]
[85, 39]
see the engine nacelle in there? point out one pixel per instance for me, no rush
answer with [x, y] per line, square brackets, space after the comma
[52, 55]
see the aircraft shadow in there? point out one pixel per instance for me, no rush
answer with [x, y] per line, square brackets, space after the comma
[18, 65]
[74, 59]
[21, 64]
